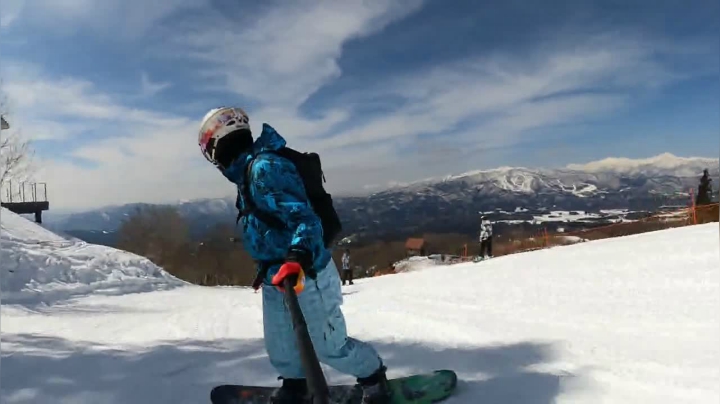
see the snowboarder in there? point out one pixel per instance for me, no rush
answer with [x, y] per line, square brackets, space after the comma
[295, 252]
[486, 236]
[347, 272]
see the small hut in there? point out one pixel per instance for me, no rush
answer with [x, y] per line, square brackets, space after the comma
[415, 247]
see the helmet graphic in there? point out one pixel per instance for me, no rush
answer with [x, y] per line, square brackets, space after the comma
[218, 123]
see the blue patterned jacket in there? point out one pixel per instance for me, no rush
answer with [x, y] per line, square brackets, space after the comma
[276, 188]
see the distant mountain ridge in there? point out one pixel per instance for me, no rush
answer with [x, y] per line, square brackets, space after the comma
[452, 203]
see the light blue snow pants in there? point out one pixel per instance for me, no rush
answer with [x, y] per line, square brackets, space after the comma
[320, 302]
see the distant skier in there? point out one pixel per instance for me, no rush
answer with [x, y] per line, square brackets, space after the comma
[704, 196]
[275, 188]
[486, 237]
[347, 272]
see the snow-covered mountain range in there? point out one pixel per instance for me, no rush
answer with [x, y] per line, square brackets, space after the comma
[452, 203]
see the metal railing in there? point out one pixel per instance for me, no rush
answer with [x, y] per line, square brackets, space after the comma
[24, 192]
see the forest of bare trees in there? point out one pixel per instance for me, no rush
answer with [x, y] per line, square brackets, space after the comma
[15, 157]
[162, 235]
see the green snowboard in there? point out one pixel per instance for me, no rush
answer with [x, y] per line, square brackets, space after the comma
[425, 388]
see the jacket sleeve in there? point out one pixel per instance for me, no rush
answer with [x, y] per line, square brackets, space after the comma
[279, 190]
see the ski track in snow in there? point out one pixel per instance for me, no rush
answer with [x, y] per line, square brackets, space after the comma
[625, 320]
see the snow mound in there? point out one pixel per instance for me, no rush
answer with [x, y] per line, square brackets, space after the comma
[17, 228]
[41, 266]
[414, 263]
[571, 239]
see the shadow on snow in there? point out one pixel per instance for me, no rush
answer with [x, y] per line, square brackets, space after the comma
[49, 369]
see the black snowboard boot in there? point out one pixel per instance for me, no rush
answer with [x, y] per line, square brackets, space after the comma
[293, 391]
[375, 388]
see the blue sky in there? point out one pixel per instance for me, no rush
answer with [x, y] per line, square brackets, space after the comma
[387, 91]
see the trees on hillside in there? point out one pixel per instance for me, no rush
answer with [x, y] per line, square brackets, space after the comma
[162, 235]
[156, 232]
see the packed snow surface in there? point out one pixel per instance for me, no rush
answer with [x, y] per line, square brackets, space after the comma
[625, 320]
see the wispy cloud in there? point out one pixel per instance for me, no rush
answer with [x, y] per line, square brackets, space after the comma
[149, 88]
[276, 59]
[40, 101]
[135, 154]
[500, 97]
[284, 54]
[129, 19]
[9, 11]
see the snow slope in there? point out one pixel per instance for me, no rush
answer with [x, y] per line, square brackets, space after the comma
[39, 266]
[625, 320]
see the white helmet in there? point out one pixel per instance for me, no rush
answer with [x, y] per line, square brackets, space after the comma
[218, 123]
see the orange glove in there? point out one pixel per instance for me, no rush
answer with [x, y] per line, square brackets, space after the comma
[294, 272]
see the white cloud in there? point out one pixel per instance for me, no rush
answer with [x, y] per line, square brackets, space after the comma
[137, 155]
[495, 102]
[129, 19]
[285, 54]
[9, 11]
[150, 156]
[149, 88]
[282, 56]
[41, 102]
[505, 95]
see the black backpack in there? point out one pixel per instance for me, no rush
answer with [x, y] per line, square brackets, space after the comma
[310, 169]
